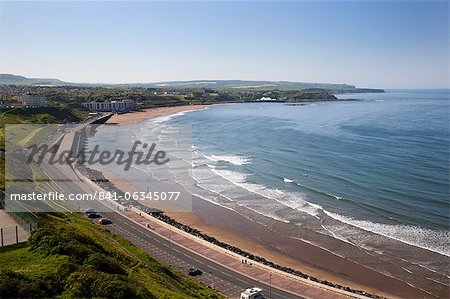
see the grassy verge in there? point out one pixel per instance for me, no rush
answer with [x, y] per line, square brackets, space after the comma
[62, 114]
[68, 257]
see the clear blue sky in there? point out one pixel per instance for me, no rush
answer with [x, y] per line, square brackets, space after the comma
[383, 44]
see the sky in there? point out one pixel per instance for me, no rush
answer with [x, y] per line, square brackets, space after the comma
[382, 44]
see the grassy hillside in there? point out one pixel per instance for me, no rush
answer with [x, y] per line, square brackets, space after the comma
[68, 256]
[249, 84]
[14, 79]
[61, 114]
[245, 85]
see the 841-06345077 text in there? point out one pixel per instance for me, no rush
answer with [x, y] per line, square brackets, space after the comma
[140, 195]
[56, 196]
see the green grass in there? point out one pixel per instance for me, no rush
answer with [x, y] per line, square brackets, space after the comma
[70, 257]
[19, 259]
[63, 113]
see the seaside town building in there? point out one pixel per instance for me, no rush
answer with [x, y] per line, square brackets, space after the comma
[113, 106]
[33, 101]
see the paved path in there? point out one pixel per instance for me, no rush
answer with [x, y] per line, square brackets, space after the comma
[8, 227]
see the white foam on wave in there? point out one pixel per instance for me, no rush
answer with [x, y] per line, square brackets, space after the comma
[234, 177]
[230, 200]
[165, 118]
[291, 200]
[436, 241]
[433, 240]
[235, 160]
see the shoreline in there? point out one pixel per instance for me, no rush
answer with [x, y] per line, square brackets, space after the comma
[138, 116]
[234, 229]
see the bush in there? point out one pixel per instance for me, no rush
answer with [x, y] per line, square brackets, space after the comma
[79, 283]
[63, 241]
[79, 265]
[113, 286]
[16, 285]
[90, 283]
[104, 264]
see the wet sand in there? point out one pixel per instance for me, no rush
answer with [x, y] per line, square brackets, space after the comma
[269, 240]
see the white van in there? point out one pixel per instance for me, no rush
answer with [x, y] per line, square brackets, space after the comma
[252, 293]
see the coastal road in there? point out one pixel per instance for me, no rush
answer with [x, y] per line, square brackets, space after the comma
[223, 279]
[228, 277]
[215, 275]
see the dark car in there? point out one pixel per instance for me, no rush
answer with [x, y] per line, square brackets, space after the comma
[105, 221]
[195, 272]
[94, 215]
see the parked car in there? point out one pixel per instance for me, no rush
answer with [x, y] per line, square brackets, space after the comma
[89, 211]
[195, 272]
[94, 215]
[105, 221]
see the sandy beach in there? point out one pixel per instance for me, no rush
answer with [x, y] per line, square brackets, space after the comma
[266, 237]
[252, 236]
[137, 116]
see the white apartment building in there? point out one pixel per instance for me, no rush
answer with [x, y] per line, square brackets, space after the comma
[113, 106]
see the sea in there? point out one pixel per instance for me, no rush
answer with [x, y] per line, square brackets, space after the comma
[380, 163]
[371, 171]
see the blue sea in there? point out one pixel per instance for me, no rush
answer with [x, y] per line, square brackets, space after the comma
[364, 180]
[380, 163]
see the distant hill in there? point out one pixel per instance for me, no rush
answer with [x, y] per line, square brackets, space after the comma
[243, 85]
[251, 85]
[203, 84]
[16, 80]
